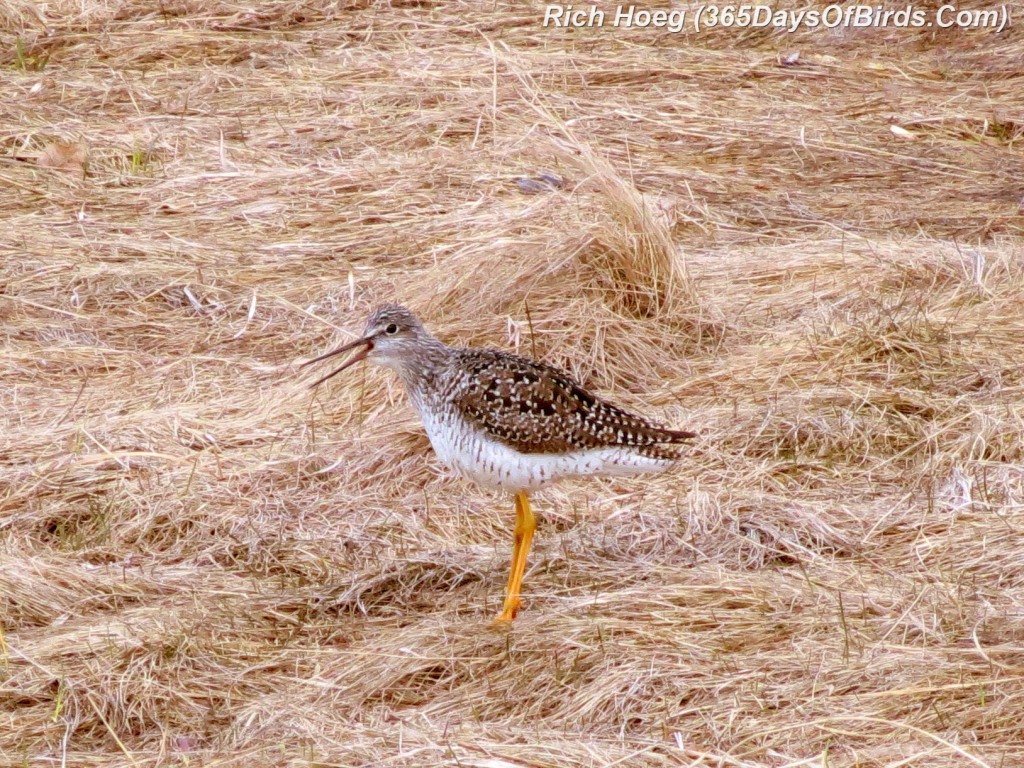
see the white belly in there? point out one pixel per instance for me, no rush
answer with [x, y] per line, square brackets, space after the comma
[492, 464]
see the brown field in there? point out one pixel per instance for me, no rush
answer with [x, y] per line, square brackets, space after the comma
[807, 247]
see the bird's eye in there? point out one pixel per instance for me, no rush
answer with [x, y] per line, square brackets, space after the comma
[391, 330]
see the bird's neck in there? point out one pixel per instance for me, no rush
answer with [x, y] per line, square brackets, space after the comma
[419, 372]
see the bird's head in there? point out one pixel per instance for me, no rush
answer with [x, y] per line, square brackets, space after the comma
[392, 336]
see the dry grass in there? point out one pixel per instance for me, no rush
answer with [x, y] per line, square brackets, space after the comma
[203, 563]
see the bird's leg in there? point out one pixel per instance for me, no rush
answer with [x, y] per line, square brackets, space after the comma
[526, 524]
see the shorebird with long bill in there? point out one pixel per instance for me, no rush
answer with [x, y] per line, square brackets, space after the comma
[507, 422]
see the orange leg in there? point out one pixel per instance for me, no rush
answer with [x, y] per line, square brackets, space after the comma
[526, 524]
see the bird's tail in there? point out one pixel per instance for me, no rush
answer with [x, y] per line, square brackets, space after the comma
[675, 435]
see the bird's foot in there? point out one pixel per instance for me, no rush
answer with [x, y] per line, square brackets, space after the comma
[508, 612]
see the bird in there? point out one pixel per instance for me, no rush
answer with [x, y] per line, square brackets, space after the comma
[507, 422]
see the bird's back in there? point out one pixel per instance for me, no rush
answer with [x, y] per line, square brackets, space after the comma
[536, 408]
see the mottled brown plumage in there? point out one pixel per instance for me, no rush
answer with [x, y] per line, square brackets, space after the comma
[537, 408]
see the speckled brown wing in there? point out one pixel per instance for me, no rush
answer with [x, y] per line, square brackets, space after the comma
[534, 408]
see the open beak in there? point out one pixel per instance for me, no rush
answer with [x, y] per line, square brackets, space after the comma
[363, 345]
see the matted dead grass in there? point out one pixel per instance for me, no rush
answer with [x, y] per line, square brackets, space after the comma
[808, 247]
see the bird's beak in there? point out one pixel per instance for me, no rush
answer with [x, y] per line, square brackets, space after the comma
[363, 345]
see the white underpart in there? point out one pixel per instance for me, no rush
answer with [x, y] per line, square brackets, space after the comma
[490, 463]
